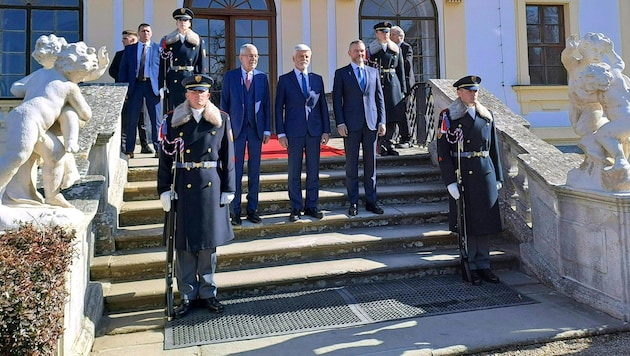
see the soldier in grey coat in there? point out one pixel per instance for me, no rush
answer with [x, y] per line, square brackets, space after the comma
[197, 139]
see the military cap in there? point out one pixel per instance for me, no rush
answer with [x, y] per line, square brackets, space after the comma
[383, 26]
[197, 82]
[183, 14]
[470, 82]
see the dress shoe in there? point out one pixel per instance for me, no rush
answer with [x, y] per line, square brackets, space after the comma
[156, 155]
[236, 220]
[403, 145]
[314, 212]
[146, 149]
[184, 308]
[295, 215]
[383, 151]
[353, 210]
[373, 207]
[213, 304]
[129, 154]
[253, 217]
[487, 275]
[392, 152]
[475, 279]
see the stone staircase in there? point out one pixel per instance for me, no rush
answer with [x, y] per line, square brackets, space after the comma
[410, 239]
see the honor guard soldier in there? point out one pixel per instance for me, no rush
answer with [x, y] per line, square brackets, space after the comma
[467, 141]
[198, 159]
[384, 55]
[183, 53]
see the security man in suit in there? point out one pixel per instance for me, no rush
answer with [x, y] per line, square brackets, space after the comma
[183, 53]
[204, 187]
[397, 35]
[384, 55]
[468, 121]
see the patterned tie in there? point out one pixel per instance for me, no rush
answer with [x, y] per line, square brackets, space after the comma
[361, 78]
[248, 81]
[304, 87]
[142, 61]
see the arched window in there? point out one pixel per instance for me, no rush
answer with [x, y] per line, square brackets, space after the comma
[226, 25]
[23, 21]
[418, 18]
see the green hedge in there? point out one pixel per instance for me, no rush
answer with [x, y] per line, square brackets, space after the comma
[33, 266]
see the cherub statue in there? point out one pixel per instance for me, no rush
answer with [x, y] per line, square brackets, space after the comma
[51, 95]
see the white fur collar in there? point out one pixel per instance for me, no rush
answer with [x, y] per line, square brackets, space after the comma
[191, 37]
[457, 110]
[376, 46]
[183, 113]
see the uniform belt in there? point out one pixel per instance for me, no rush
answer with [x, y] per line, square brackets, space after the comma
[143, 79]
[202, 164]
[388, 70]
[472, 154]
[186, 68]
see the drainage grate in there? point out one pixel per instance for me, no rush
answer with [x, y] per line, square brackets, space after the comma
[284, 313]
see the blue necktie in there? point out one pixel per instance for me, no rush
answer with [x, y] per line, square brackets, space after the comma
[361, 78]
[304, 87]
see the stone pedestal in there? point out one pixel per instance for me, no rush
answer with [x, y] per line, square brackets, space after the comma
[594, 249]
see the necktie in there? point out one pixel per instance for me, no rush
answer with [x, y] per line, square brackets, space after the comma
[143, 58]
[248, 81]
[304, 87]
[361, 78]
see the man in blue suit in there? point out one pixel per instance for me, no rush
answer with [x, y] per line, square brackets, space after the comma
[139, 67]
[302, 123]
[245, 96]
[359, 110]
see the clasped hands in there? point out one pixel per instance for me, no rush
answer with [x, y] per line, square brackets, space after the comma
[343, 130]
[165, 199]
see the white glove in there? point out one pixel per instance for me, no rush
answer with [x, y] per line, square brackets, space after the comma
[162, 93]
[453, 191]
[165, 199]
[499, 185]
[226, 198]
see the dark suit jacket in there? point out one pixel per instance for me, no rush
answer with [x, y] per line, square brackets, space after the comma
[290, 107]
[114, 66]
[129, 66]
[232, 100]
[354, 108]
[407, 54]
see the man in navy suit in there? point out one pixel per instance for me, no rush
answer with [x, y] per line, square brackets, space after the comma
[302, 123]
[359, 109]
[245, 96]
[139, 67]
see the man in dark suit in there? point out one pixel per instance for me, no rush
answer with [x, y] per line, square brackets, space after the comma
[245, 96]
[128, 38]
[385, 56]
[359, 109]
[183, 54]
[139, 67]
[398, 36]
[204, 186]
[302, 124]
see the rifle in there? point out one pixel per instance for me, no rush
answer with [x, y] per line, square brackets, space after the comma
[169, 234]
[461, 218]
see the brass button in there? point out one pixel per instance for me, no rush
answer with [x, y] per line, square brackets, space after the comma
[209, 184]
[181, 134]
[176, 59]
[188, 150]
[470, 172]
[188, 185]
[187, 168]
[214, 132]
[175, 81]
[467, 141]
[209, 149]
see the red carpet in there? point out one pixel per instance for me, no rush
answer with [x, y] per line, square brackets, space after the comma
[273, 150]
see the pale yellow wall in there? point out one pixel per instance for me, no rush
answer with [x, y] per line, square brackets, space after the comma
[454, 20]
[98, 24]
[319, 39]
[290, 33]
[347, 29]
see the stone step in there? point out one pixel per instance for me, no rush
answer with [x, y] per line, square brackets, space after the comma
[150, 235]
[274, 182]
[144, 168]
[241, 254]
[149, 293]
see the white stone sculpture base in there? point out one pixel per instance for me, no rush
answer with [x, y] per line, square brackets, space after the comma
[595, 176]
[45, 215]
[594, 249]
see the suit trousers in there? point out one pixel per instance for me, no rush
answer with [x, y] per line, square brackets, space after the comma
[195, 273]
[298, 147]
[142, 93]
[478, 252]
[365, 138]
[247, 138]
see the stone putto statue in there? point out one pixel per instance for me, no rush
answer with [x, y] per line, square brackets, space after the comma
[52, 106]
[599, 110]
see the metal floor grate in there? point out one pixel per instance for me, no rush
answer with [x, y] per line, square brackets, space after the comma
[284, 313]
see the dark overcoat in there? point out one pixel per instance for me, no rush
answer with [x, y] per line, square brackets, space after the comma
[202, 222]
[479, 174]
[180, 60]
[392, 71]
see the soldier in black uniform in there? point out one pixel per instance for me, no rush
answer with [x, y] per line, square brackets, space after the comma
[204, 187]
[384, 55]
[482, 175]
[183, 53]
